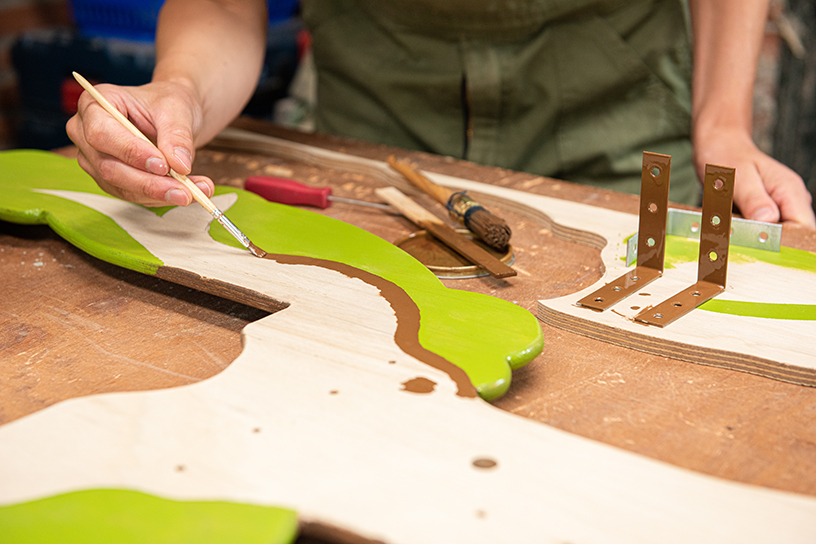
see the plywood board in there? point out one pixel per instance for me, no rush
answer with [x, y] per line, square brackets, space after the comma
[353, 432]
[764, 323]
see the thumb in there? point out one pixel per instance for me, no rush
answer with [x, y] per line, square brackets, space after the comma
[752, 199]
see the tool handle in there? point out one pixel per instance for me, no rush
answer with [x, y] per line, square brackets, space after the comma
[288, 191]
[441, 194]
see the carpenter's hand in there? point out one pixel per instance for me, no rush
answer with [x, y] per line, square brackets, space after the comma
[128, 167]
[765, 190]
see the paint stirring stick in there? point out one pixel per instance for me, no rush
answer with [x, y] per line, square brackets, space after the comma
[199, 196]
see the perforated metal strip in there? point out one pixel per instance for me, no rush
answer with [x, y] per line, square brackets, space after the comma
[654, 204]
[712, 265]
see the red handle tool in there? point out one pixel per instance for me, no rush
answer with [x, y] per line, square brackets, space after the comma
[289, 191]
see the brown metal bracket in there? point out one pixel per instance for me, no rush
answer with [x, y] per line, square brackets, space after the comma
[712, 265]
[654, 205]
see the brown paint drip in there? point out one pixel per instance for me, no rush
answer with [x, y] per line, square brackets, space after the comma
[419, 385]
[406, 310]
[484, 462]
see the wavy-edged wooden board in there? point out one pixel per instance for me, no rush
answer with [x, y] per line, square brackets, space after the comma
[371, 440]
[764, 323]
[344, 429]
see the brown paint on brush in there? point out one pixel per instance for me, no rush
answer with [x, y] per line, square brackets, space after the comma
[255, 250]
[419, 385]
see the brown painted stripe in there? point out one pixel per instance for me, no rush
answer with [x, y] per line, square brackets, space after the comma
[406, 310]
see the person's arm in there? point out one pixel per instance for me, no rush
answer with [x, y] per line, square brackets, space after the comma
[727, 39]
[208, 58]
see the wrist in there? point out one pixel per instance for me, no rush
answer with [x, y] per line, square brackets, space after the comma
[719, 126]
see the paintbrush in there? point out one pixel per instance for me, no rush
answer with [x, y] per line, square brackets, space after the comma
[199, 196]
[454, 240]
[493, 230]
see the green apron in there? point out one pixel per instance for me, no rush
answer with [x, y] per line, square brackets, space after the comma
[573, 89]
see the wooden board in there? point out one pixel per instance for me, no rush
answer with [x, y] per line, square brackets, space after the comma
[555, 402]
[343, 438]
[447, 328]
[764, 323]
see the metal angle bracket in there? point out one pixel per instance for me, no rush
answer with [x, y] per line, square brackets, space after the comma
[712, 264]
[654, 204]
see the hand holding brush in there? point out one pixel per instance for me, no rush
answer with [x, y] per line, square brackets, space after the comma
[493, 230]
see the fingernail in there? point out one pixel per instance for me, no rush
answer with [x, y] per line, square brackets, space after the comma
[156, 166]
[184, 157]
[205, 188]
[176, 197]
[764, 214]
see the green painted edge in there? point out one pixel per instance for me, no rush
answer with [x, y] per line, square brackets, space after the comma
[681, 250]
[485, 336]
[105, 516]
[765, 310]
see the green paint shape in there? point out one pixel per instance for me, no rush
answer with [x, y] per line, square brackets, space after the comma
[796, 312]
[107, 516]
[89, 230]
[681, 250]
[485, 336]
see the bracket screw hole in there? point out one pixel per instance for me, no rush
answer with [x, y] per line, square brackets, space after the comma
[695, 227]
[599, 299]
[763, 237]
[712, 256]
[658, 316]
[616, 288]
[650, 242]
[719, 183]
[652, 207]
[716, 220]
[655, 171]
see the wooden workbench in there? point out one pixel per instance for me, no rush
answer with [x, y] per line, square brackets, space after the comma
[73, 325]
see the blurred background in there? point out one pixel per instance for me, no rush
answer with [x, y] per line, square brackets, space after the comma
[42, 41]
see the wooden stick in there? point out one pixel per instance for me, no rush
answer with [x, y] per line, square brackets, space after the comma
[493, 230]
[444, 233]
[198, 195]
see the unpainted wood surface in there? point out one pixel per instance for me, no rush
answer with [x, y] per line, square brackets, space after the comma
[719, 422]
[321, 414]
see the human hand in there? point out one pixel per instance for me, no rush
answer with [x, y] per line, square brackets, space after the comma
[128, 167]
[765, 189]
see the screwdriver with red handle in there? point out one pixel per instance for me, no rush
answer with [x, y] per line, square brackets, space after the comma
[289, 191]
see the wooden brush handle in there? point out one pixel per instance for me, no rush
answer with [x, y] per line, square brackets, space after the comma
[441, 194]
[428, 221]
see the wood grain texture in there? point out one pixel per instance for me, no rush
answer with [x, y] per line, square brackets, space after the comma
[338, 437]
[785, 349]
[455, 326]
[728, 424]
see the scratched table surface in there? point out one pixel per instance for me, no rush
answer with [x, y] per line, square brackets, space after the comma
[73, 325]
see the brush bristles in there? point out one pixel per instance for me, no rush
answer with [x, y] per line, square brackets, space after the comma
[493, 230]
